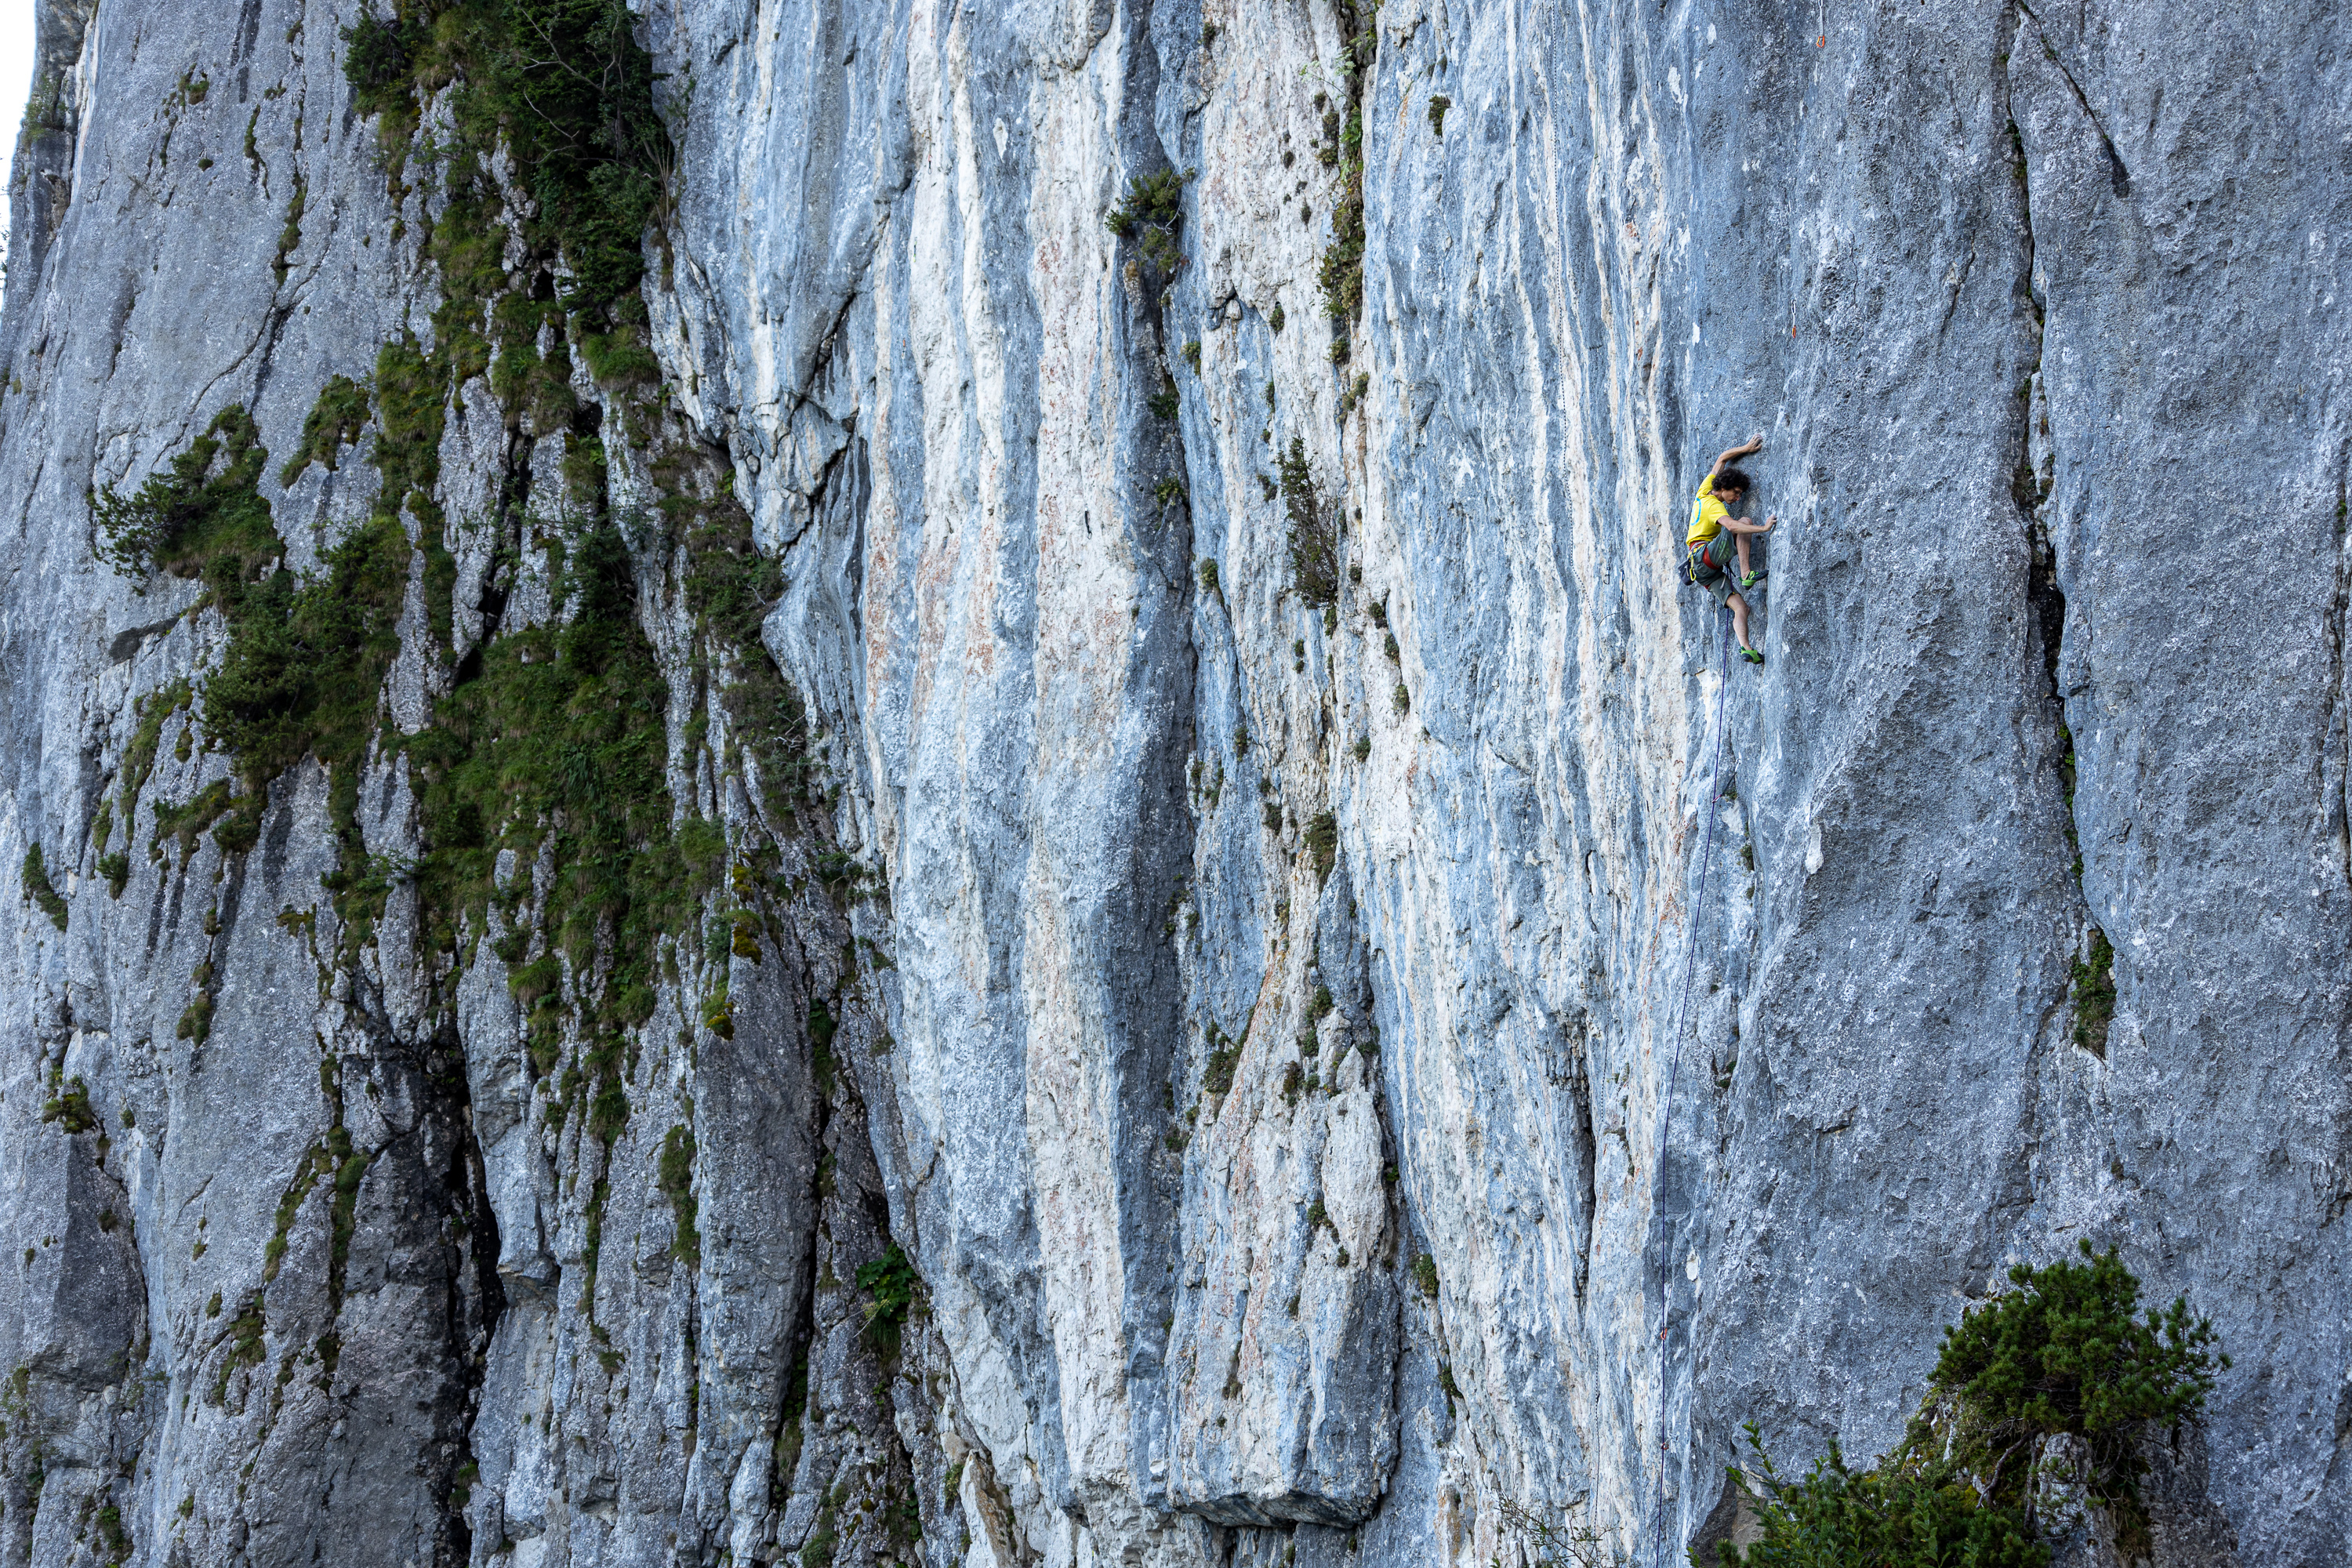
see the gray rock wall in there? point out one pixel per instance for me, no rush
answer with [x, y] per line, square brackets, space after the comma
[1338, 1068]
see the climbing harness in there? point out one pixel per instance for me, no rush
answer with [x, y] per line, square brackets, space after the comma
[1674, 1073]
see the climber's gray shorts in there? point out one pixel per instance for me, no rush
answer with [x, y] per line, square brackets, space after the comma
[1711, 575]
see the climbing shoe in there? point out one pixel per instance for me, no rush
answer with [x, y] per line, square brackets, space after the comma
[1751, 656]
[1752, 578]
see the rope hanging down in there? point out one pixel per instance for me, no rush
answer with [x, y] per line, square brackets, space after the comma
[1674, 1074]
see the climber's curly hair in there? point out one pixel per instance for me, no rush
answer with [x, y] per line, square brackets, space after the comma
[1731, 481]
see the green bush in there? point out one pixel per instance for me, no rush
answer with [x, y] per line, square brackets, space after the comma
[2068, 1354]
[1891, 1517]
[200, 514]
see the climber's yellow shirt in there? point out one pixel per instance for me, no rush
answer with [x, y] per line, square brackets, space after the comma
[1708, 516]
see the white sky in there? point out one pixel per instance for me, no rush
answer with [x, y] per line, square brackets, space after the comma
[16, 80]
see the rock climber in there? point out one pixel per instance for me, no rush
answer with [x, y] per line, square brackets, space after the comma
[1713, 531]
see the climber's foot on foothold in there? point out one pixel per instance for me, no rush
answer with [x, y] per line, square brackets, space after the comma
[1752, 578]
[1751, 656]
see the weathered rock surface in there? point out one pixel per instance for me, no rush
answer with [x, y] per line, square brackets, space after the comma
[1166, 960]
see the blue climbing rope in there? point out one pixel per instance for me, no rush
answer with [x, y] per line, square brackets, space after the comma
[1674, 1074]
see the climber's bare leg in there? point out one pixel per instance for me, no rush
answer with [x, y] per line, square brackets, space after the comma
[1742, 541]
[1739, 620]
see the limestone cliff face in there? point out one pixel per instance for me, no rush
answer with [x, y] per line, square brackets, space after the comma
[1173, 784]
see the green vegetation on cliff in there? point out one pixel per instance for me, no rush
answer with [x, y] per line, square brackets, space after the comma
[305, 656]
[564, 87]
[2046, 1389]
[552, 747]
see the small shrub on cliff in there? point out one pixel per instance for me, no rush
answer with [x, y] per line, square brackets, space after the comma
[1555, 1542]
[676, 1184]
[37, 888]
[2056, 1381]
[1322, 841]
[1151, 214]
[891, 1281]
[2094, 994]
[1218, 1078]
[1314, 534]
[69, 1107]
[199, 515]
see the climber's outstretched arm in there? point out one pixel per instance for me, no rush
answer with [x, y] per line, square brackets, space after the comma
[1755, 444]
[1741, 525]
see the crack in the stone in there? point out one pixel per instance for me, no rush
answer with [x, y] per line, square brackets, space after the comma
[2119, 175]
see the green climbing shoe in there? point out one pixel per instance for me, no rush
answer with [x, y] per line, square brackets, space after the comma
[1751, 656]
[1752, 578]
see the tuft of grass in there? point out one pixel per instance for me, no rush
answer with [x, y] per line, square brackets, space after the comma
[290, 238]
[2094, 994]
[69, 1106]
[1438, 104]
[1321, 839]
[337, 421]
[1224, 1055]
[560, 737]
[305, 658]
[244, 1342]
[37, 888]
[1340, 277]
